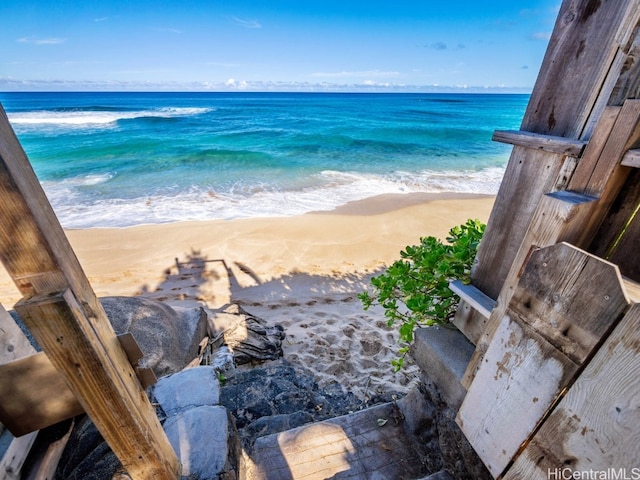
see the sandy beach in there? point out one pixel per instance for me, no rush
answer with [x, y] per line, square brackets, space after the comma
[301, 272]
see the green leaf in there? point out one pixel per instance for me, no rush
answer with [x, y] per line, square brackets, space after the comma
[415, 291]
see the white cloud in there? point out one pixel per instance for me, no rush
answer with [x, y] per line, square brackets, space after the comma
[101, 19]
[541, 36]
[365, 73]
[246, 23]
[41, 41]
[10, 84]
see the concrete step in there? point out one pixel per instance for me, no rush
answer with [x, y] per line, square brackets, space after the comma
[443, 354]
[367, 445]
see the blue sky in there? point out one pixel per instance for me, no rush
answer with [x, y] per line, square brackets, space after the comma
[395, 45]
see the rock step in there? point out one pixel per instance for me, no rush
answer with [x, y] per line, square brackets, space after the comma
[370, 444]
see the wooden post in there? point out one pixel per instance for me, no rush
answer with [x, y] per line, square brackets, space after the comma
[68, 321]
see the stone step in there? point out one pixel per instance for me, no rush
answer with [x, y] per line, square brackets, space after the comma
[367, 445]
[443, 354]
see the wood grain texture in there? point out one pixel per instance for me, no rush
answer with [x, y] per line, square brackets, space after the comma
[581, 66]
[520, 377]
[102, 383]
[558, 217]
[570, 297]
[595, 425]
[538, 141]
[529, 175]
[631, 159]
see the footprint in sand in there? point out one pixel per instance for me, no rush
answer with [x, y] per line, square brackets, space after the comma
[349, 331]
[372, 344]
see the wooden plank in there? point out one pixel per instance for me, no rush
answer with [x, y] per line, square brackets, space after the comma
[595, 425]
[628, 82]
[469, 322]
[34, 395]
[631, 158]
[599, 164]
[538, 141]
[563, 292]
[520, 378]
[68, 337]
[570, 297]
[605, 177]
[39, 259]
[615, 240]
[14, 345]
[566, 216]
[581, 66]
[45, 463]
[474, 297]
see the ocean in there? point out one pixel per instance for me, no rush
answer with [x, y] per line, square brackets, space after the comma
[123, 159]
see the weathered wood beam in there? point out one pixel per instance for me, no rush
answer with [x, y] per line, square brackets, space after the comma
[538, 141]
[631, 158]
[39, 259]
[474, 297]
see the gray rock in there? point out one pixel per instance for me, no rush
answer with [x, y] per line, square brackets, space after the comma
[199, 436]
[198, 386]
[169, 340]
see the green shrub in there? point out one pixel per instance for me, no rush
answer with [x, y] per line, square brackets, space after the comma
[414, 291]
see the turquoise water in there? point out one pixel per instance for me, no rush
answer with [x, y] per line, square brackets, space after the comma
[120, 159]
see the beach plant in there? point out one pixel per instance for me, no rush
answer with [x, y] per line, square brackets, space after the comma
[414, 291]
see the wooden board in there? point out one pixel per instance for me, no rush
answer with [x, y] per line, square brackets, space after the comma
[570, 297]
[562, 292]
[581, 66]
[34, 395]
[631, 159]
[13, 342]
[616, 239]
[595, 425]
[519, 379]
[538, 141]
[13, 460]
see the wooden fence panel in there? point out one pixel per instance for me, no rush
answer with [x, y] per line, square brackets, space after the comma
[564, 301]
[595, 426]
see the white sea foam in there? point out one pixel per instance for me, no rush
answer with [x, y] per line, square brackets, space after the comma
[334, 189]
[92, 118]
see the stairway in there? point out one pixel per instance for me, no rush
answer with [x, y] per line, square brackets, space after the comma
[370, 444]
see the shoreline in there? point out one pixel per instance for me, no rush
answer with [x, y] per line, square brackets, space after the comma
[303, 272]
